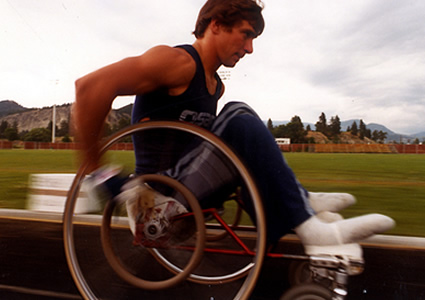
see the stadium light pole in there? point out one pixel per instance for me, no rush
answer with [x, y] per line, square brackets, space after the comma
[54, 123]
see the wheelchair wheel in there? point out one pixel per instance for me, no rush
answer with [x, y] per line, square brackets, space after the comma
[80, 231]
[307, 291]
[299, 272]
[124, 272]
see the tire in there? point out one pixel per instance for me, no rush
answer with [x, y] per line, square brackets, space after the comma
[299, 272]
[73, 232]
[307, 291]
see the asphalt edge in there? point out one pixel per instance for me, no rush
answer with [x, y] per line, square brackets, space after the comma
[377, 241]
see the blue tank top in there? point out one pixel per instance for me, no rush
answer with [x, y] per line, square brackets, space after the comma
[195, 105]
[156, 151]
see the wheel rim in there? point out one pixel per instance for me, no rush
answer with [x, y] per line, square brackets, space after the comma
[260, 246]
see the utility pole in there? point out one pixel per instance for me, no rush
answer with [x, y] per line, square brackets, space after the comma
[54, 123]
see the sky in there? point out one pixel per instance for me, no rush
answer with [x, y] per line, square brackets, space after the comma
[358, 59]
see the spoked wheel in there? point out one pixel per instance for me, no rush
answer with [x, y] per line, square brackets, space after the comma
[307, 291]
[96, 277]
[299, 272]
[197, 242]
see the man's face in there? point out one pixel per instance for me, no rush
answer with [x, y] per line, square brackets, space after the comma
[235, 43]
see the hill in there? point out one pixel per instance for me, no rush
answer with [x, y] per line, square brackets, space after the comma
[8, 107]
[344, 138]
[28, 119]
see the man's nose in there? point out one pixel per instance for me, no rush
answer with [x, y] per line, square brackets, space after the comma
[249, 47]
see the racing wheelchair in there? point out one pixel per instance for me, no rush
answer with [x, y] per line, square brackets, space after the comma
[211, 248]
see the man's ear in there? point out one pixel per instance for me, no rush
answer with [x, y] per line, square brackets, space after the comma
[215, 26]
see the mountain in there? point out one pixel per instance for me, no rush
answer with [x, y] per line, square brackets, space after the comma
[420, 135]
[126, 110]
[8, 107]
[28, 119]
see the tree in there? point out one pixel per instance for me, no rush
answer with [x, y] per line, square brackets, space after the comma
[354, 129]
[335, 126]
[368, 133]
[270, 125]
[63, 128]
[382, 136]
[362, 130]
[295, 130]
[11, 134]
[22, 134]
[321, 125]
[50, 128]
[66, 139]
[378, 136]
[3, 126]
[38, 135]
[280, 131]
[375, 136]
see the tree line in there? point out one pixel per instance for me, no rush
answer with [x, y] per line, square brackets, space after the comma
[294, 130]
[11, 132]
[331, 129]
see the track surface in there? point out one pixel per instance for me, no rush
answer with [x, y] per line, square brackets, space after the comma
[33, 266]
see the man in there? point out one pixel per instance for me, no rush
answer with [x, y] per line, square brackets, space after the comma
[181, 83]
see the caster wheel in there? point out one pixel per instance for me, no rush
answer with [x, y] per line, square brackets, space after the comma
[307, 291]
[299, 273]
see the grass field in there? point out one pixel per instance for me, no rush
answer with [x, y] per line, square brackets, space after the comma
[383, 183]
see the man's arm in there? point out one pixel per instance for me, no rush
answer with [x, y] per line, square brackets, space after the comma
[160, 67]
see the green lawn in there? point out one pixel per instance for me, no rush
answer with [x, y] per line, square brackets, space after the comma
[393, 184]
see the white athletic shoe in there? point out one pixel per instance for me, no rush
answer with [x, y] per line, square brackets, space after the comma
[320, 237]
[329, 217]
[347, 252]
[332, 202]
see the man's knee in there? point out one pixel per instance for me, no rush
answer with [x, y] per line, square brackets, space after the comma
[247, 126]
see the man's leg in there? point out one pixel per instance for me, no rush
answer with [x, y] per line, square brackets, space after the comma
[286, 202]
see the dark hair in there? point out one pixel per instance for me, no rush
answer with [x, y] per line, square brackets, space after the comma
[230, 13]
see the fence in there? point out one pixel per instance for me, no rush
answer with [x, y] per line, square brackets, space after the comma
[354, 148]
[412, 149]
[313, 148]
[55, 146]
[6, 145]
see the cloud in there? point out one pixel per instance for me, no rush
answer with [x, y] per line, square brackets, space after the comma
[358, 59]
[372, 57]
